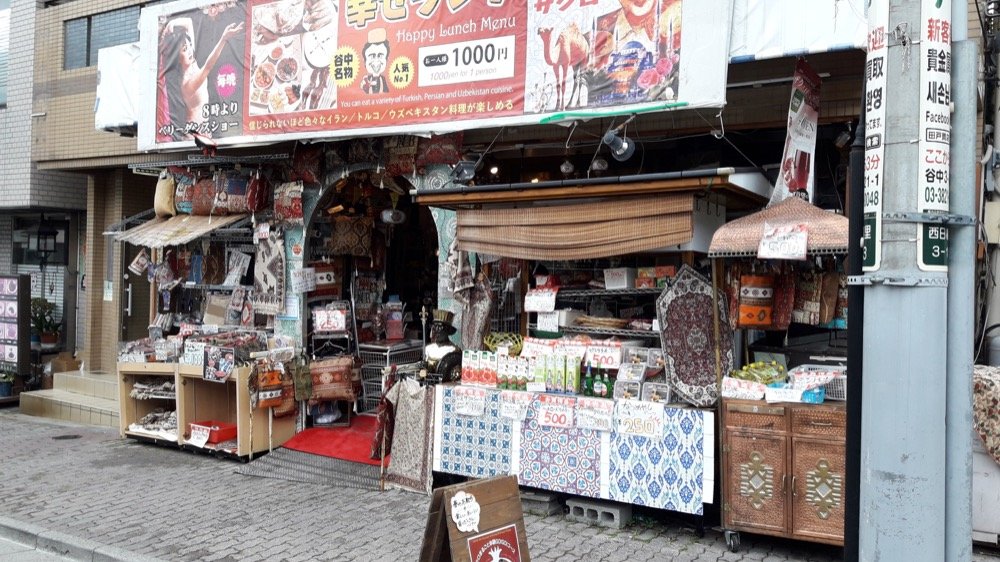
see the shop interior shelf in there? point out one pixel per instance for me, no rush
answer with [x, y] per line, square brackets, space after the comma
[609, 332]
[571, 293]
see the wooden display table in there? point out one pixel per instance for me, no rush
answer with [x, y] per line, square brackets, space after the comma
[783, 467]
[199, 400]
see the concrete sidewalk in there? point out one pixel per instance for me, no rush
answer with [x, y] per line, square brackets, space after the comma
[84, 493]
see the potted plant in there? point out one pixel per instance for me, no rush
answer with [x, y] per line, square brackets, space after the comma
[43, 322]
[6, 384]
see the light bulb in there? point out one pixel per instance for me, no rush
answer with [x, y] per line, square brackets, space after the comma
[566, 167]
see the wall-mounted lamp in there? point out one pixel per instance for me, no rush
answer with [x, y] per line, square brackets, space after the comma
[622, 148]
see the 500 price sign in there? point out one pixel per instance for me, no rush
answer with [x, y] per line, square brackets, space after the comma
[556, 411]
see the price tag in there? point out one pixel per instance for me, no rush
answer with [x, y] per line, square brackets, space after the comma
[303, 280]
[604, 355]
[783, 242]
[199, 435]
[639, 418]
[571, 349]
[470, 401]
[194, 353]
[548, 321]
[540, 300]
[534, 347]
[467, 61]
[595, 413]
[556, 411]
[514, 404]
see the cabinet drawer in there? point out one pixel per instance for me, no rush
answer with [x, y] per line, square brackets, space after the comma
[749, 415]
[826, 422]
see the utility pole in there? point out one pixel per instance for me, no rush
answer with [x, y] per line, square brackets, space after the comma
[908, 118]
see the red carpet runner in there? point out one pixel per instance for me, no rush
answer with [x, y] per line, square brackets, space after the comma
[346, 443]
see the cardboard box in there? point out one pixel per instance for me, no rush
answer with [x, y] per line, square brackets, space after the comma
[619, 278]
[663, 271]
[645, 283]
[65, 362]
[646, 273]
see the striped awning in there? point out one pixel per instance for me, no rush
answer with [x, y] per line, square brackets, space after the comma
[578, 230]
[174, 231]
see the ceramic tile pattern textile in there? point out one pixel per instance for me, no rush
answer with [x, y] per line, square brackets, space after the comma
[664, 473]
[563, 460]
[477, 447]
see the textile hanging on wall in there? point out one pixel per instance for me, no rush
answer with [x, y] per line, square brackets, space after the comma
[476, 317]
[479, 447]
[564, 460]
[269, 275]
[410, 462]
[664, 473]
[687, 336]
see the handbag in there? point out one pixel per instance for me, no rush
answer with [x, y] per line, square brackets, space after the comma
[258, 192]
[288, 202]
[756, 301]
[163, 198]
[288, 406]
[352, 236]
[269, 385]
[331, 378]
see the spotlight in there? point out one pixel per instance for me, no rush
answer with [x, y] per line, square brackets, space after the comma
[567, 167]
[621, 148]
[599, 165]
[464, 170]
[494, 170]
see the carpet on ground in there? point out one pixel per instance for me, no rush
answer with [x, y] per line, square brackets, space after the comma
[336, 456]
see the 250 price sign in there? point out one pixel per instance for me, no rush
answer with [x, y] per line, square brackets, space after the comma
[639, 418]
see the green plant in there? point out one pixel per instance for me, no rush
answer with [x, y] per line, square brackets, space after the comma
[43, 319]
[7, 376]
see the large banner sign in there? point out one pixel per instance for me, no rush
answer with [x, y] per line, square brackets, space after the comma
[260, 71]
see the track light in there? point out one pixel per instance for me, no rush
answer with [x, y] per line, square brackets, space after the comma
[464, 170]
[621, 148]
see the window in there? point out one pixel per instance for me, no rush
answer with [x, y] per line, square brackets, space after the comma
[84, 37]
[4, 49]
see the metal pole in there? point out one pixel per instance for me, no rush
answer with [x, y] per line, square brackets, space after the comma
[903, 413]
[855, 342]
[961, 300]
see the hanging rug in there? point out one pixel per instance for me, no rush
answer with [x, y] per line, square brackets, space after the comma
[687, 336]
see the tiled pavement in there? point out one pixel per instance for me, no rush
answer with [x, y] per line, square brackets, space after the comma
[128, 501]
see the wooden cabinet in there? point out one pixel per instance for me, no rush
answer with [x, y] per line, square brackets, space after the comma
[199, 400]
[784, 468]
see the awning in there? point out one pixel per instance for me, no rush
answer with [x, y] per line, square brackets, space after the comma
[741, 237]
[742, 189]
[578, 230]
[174, 231]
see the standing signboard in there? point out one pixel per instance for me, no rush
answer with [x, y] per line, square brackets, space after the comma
[935, 131]
[875, 126]
[246, 71]
[476, 521]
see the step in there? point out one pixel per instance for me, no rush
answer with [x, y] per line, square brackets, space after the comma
[98, 384]
[70, 406]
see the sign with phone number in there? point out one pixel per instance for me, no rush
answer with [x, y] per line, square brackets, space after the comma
[556, 411]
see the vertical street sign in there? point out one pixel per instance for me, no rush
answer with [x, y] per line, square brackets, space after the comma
[935, 131]
[875, 98]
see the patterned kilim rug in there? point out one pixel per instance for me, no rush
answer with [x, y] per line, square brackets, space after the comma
[288, 464]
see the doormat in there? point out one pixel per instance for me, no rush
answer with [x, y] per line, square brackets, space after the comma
[346, 443]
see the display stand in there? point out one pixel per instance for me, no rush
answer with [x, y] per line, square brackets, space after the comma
[198, 400]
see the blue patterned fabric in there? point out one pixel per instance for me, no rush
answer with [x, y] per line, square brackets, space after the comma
[664, 473]
[563, 460]
[477, 447]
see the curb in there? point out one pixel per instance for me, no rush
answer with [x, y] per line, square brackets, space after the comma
[69, 546]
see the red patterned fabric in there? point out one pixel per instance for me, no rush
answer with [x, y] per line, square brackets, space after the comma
[331, 378]
[439, 149]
